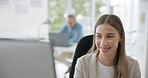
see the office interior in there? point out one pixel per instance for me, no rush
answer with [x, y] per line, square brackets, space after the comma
[30, 20]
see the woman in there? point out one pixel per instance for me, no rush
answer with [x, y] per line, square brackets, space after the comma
[107, 57]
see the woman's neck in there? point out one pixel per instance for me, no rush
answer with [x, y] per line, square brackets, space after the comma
[107, 61]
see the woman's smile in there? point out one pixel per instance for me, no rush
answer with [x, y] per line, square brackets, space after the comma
[105, 49]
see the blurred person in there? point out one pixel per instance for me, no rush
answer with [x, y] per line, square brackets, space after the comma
[72, 29]
[107, 57]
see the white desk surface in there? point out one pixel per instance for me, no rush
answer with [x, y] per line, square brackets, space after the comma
[65, 49]
[65, 54]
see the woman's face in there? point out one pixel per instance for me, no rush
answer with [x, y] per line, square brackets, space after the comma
[106, 40]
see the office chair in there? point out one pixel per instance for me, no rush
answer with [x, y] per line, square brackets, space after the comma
[82, 48]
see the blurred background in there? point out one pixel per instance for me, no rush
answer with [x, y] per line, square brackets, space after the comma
[33, 19]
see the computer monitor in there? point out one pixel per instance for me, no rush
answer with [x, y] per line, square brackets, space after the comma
[59, 39]
[26, 59]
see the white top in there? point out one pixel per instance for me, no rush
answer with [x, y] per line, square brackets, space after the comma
[105, 71]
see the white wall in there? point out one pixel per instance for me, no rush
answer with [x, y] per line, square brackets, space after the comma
[142, 38]
[21, 18]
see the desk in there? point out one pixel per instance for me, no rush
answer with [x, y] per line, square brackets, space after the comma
[63, 58]
[65, 54]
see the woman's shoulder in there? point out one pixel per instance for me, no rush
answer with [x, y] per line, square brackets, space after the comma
[133, 67]
[132, 63]
[131, 60]
[88, 55]
[86, 58]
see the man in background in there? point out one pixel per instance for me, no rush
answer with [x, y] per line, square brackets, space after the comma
[73, 29]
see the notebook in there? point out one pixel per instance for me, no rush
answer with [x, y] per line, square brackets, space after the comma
[59, 39]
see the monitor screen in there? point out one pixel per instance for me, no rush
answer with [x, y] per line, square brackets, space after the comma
[26, 59]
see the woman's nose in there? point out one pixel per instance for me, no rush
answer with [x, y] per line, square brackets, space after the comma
[103, 42]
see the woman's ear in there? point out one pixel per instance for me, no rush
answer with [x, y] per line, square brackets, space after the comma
[120, 43]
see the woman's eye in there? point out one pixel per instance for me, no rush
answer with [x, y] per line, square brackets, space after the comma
[110, 36]
[98, 36]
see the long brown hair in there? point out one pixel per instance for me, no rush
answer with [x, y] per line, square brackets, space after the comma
[120, 61]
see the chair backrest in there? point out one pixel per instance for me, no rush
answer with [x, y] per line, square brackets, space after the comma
[82, 48]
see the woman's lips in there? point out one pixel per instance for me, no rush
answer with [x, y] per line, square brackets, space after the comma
[104, 49]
